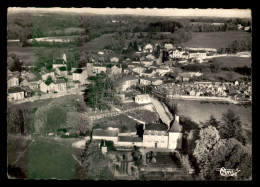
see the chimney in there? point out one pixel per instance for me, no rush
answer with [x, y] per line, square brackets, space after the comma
[177, 118]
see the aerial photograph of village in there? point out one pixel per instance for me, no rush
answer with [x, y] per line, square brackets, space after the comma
[129, 94]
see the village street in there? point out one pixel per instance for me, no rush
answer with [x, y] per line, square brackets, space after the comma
[70, 91]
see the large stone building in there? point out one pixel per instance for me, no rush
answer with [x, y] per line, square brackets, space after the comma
[158, 135]
[155, 136]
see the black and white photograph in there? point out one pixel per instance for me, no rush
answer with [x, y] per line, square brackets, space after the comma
[129, 94]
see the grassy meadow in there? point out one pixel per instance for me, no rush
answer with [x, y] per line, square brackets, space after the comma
[215, 39]
[233, 62]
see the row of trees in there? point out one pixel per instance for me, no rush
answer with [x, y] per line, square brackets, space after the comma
[19, 119]
[102, 92]
[207, 27]
[166, 26]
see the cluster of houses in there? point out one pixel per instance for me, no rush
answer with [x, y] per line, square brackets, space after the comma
[217, 89]
[155, 135]
[57, 79]
[240, 27]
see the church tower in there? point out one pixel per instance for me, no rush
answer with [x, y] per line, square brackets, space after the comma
[64, 57]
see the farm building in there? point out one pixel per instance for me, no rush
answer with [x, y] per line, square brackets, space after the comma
[143, 99]
[108, 134]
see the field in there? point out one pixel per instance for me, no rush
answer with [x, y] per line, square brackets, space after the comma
[67, 30]
[231, 61]
[224, 75]
[98, 43]
[51, 160]
[24, 53]
[215, 39]
[43, 158]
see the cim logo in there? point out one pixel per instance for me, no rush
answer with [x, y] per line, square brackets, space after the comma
[228, 172]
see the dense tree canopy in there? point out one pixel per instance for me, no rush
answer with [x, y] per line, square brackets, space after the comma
[231, 127]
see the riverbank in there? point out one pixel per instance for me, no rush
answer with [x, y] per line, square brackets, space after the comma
[205, 98]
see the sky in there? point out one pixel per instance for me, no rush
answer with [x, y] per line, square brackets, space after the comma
[242, 13]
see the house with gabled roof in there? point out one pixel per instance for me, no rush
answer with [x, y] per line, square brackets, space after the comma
[98, 68]
[107, 134]
[15, 94]
[142, 99]
[114, 70]
[147, 62]
[62, 71]
[46, 73]
[81, 75]
[12, 81]
[148, 73]
[57, 86]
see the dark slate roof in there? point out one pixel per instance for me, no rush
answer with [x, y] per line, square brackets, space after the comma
[149, 79]
[15, 90]
[129, 139]
[60, 81]
[76, 81]
[148, 71]
[78, 71]
[99, 65]
[109, 133]
[62, 68]
[156, 127]
[197, 51]
[10, 77]
[58, 61]
[176, 127]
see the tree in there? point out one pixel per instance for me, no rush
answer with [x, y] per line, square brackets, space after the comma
[232, 127]
[212, 152]
[19, 119]
[97, 165]
[208, 137]
[212, 122]
[16, 64]
[10, 61]
[49, 80]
